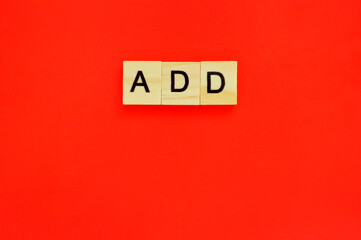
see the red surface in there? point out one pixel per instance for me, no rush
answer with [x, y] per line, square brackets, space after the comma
[282, 164]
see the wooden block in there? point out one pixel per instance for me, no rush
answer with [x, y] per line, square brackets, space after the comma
[181, 83]
[219, 83]
[142, 82]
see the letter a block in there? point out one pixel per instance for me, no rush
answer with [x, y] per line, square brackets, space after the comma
[142, 82]
[181, 83]
[219, 83]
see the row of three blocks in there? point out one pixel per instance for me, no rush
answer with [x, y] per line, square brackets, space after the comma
[180, 83]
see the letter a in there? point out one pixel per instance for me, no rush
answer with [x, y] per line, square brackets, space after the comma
[143, 82]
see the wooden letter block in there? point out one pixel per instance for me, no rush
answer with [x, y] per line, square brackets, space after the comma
[142, 82]
[219, 83]
[181, 83]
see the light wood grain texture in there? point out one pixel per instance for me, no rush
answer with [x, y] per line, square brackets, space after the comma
[228, 96]
[190, 96]
[151, 71]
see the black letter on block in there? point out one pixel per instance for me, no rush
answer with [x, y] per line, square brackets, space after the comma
[143, 82]
[186, 81]
[223, 82]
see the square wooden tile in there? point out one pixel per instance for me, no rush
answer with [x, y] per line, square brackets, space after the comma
[219, 83]
[142, 82]
[181, 83]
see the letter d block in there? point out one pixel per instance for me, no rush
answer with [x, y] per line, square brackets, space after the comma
[181, 83]
[219, 83]
[142, 82]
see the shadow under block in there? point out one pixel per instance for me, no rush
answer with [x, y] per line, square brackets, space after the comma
[212, 76]
[181, 73]
[142, 83]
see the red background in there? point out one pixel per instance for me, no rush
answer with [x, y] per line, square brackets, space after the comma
[282, 164]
